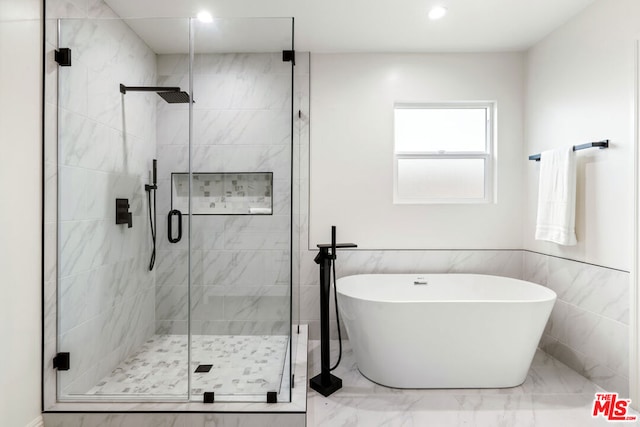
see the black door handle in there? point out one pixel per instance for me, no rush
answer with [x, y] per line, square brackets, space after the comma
[169, 226]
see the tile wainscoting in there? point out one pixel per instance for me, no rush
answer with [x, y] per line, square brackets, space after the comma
[588, 328]
[496, 262]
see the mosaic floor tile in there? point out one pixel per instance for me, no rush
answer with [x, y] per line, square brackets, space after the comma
[240, 365]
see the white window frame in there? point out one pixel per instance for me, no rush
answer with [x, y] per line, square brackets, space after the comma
[487, 155]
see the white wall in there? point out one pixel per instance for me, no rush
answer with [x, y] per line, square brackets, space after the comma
[352, 98]
[20, 192]
[580, 88]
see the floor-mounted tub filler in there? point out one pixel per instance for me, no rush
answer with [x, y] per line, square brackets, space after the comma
[443, 330]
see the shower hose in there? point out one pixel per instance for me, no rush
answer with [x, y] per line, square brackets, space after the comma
[335, 296]
[153, 228]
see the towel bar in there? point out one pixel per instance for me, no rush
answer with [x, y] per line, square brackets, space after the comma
[599, 144]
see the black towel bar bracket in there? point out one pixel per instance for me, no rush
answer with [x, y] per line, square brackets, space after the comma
[598, 144]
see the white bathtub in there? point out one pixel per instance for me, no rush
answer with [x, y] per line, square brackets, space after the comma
[457, 331]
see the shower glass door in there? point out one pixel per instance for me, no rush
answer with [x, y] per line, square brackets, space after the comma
[174, 209]
[122, 287]
[241, 209]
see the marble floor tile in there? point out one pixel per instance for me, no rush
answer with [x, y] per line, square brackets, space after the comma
[241, 365]
[552, 395]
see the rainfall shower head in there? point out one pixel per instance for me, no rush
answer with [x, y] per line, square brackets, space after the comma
[173, 95]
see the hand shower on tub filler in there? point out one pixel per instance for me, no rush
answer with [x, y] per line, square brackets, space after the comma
[325, 383]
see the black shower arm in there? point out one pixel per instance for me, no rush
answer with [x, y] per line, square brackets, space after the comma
[124, 89]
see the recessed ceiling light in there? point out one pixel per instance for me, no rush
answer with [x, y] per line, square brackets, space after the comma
[437, 12]
[205, 17]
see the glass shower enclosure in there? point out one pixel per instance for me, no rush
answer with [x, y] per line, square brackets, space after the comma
[175, 209]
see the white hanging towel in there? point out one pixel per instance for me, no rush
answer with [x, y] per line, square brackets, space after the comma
[557, 197]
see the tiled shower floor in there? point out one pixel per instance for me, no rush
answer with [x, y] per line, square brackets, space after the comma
[241, 365]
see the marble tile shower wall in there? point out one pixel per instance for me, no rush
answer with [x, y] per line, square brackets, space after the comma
[240, 264]
[101, 152]
[589, 326]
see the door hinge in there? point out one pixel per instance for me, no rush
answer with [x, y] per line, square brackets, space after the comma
[289, 56]
[61, 362]
[63, 57]
[272, 397]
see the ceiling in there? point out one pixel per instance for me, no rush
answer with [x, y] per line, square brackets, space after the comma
[373, 25]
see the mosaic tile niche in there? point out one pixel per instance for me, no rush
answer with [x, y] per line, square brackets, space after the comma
[223, 193]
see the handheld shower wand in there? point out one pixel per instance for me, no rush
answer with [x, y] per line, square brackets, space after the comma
[154, 177]
[155, 173]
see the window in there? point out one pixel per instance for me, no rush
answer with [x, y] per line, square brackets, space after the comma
[443, 153]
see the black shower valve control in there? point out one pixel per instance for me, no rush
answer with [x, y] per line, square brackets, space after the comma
[123, 216]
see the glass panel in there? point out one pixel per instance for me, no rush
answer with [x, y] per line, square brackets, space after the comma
[441, 179]
[126, 278]
[241, 264]
[122, 306]
[440, 129]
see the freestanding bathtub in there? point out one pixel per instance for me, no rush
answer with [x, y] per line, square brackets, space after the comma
[443, 330]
